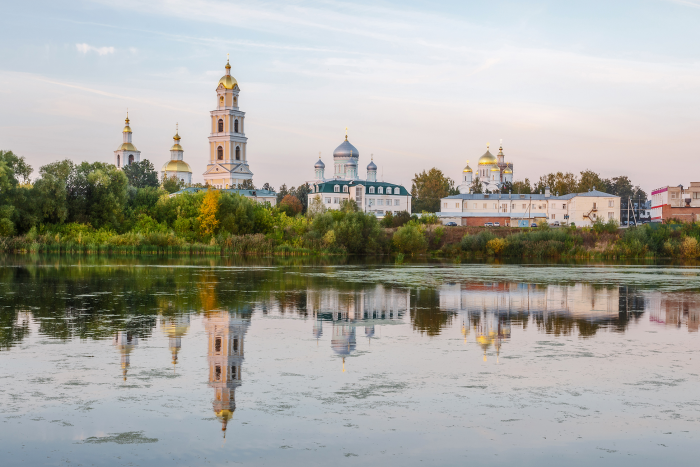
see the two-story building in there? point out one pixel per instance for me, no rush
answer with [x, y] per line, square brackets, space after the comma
[676, 202]
[521, 210]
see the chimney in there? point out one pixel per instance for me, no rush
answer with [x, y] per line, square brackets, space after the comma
[546, 192]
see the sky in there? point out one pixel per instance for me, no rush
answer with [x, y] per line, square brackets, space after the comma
[612, 87]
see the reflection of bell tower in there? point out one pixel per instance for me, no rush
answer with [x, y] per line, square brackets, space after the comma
[125, 342]
[225, 332]
[175, 327]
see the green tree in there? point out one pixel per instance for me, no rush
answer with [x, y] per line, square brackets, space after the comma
[522, 187]
[16, 206]
[410, 239]
[141, 174]
[316, 206]
[302, 194]
[282, 193]
[428, 188]
[247, 185]
[172, 184]
[267, 186]
[590, 180]
[562, 183]
[476, 187]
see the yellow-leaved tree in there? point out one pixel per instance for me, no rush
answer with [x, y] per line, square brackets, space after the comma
[207, 213]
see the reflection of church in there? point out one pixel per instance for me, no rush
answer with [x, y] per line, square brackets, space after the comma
[125, 343]
[225, 332]
[175, 327]
[348, 310]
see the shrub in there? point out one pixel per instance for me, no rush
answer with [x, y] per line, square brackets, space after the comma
[410, 239]
[689, 248]
[496, 245]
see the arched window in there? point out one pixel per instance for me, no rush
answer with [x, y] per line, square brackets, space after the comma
[235, 126]
[238, 153]
[117, 160]
[235, 102]
[221, 125]
[345, 188]
[381, 190]
[221, 100]
[131, 158]
[371, 189]
[220, 153]
[336, 189]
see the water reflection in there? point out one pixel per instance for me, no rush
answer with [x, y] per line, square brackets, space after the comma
[679, 310]
[225, 332]
[125, 342]
[175, 327]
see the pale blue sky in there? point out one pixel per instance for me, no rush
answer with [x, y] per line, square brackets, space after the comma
[609, 86]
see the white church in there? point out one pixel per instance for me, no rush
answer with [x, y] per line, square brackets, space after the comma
[493, 172]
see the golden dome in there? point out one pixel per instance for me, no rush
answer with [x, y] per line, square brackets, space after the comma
[467, 168]
[507, 171]
[127, 147]
[495, 169]
[176, 147]
[177, 137]
[487, 158]
[228, 81]
[127, 129]
[176, 166]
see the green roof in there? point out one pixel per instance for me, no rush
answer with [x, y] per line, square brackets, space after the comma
[329, 186]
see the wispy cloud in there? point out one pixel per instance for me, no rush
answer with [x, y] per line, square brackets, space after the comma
[690, 3]
[87, 48]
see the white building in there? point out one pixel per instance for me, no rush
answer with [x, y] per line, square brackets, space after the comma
[176, 166]
[492, 172]
[228, 155]
[127, 152]
[516, 210]
[345, 184]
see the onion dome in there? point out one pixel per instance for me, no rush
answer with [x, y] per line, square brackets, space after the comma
[346, 150]
[351, 163]
[228, 81]
[467, 169]
[508, 171]
[127, 129]
[176, 166]
[371, 165]
[176, 146]
[127, 147]
[495, 169]
[319, 164]
[487, 158]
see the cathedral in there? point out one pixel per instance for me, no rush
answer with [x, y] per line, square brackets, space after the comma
[377, 197]
[493, 172]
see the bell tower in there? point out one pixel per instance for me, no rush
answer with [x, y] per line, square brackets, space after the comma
[228, 155]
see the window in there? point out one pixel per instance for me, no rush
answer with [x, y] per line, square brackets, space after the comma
[235, 345]
[553, 206]
[504, 208]
[611, 215]
[336, 189]
[371, 189]
[512, 206]
[397, 202]
[673, 195]
[380, 213]
[594, 206]
[117, 160]
[233, 372]
[371, 201]
[473, 205]
[524, 206]
[221, 125]
[220, 153]
[221, 100]
[217, 373]
[611, 203]
[444, 205]
[456, 205]
[345, 188]
[235, 101]
[131, 158]
[563, 206]
[238, 153]
[494, 205]
[328, 201]
[336, 200]
[235, 126]
[484, 205]
[554, 216]
[380, 190]
[696, 195]
[217, 345]
[380, 202]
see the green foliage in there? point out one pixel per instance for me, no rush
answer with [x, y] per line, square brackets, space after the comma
[428, 188]
[239, 215]
[172, 184]
[611, 226]
[141, 174]
[290, 205]
[410, 239]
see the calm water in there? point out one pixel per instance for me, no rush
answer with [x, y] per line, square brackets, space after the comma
[116, 362]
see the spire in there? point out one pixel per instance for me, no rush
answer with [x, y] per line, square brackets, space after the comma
[127, 116]
[228, 65]
[177, 136]
[346, 133]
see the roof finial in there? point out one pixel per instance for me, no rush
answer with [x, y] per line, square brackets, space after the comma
[127, 115]
[319, 155]
[228, 65]
[488, 145]
[372, 156]
[346, 133]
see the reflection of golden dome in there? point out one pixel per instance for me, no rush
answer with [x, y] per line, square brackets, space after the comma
[176, 166]
[127, 147]
[487, 158]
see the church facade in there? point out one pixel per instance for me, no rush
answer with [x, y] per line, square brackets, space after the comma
[492, 171]
[176, 166]
[126, 153]
[376, 197]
